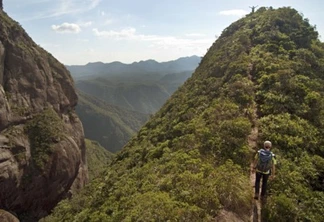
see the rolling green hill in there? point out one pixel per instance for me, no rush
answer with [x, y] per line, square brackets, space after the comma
[190, 162]
[142, 93]
[129, 96]
[97, 158]
[141, 86]
[143, 97]
[111, 126]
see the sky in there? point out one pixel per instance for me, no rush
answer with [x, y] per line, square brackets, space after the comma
[77, 32]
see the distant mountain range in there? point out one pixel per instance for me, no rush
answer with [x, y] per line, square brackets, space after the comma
[91, 70]
[116, 99]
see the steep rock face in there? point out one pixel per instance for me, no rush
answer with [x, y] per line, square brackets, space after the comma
[36, 92]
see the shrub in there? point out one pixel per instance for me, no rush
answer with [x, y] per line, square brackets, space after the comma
[43, 130]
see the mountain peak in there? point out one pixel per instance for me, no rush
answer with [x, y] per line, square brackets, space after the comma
[146, 61]
[94, 63]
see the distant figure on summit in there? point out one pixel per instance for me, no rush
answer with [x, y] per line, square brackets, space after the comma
[253, 8]
[1, 5]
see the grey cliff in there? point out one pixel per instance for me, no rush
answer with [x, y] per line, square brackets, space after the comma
[32, 81]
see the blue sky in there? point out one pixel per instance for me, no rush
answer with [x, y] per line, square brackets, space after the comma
[82, 31]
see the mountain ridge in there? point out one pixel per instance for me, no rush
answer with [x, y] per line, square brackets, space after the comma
[191, 160]
[149, 66]
[141, 61]
[107, 124]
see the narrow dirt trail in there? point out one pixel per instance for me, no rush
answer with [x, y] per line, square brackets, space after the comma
[252, 142]
[256, 206]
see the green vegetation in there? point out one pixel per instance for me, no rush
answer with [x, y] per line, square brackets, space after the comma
[114, 106]
[20, 110]
[111, 126]
[143, 97]
[44, 130]
[6, 20]
[13, 30]
[139, 89]
[191, 160]
[97, 158]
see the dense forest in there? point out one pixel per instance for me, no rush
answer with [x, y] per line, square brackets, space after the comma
[144, 93]
[110, 125]
[97, 158]
[190, 161]
[117, 99]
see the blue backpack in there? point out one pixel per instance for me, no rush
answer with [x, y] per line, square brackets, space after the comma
[265, 160]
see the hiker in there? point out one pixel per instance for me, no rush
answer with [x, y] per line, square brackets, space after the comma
[264, 165]
[253, 8]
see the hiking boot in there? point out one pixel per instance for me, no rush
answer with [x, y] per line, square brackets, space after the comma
[256, 196]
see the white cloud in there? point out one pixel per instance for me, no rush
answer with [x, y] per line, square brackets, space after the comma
[67, 28]
[64, 7]
[109, 21]
[122, 34]
[195, 35]
[83, 40]
[163, 42]
[29, 2]
[74, 7]
[90, 50]
[234, 12]
[94, 3]
[180, 43]
[85, 24]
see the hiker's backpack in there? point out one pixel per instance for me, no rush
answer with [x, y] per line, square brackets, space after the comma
[264, 161]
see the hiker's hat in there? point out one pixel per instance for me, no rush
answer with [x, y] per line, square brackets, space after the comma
[267, 144]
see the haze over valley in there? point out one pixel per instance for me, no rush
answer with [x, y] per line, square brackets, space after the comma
[123, 96]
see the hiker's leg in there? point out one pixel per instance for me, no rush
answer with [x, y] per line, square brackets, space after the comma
[264, 184]
[257, 183]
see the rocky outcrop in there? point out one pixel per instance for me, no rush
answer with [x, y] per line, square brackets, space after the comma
[7, 217]
[42, 151]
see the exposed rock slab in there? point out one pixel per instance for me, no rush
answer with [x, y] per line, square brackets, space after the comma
[31, 81]
[7, 217]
